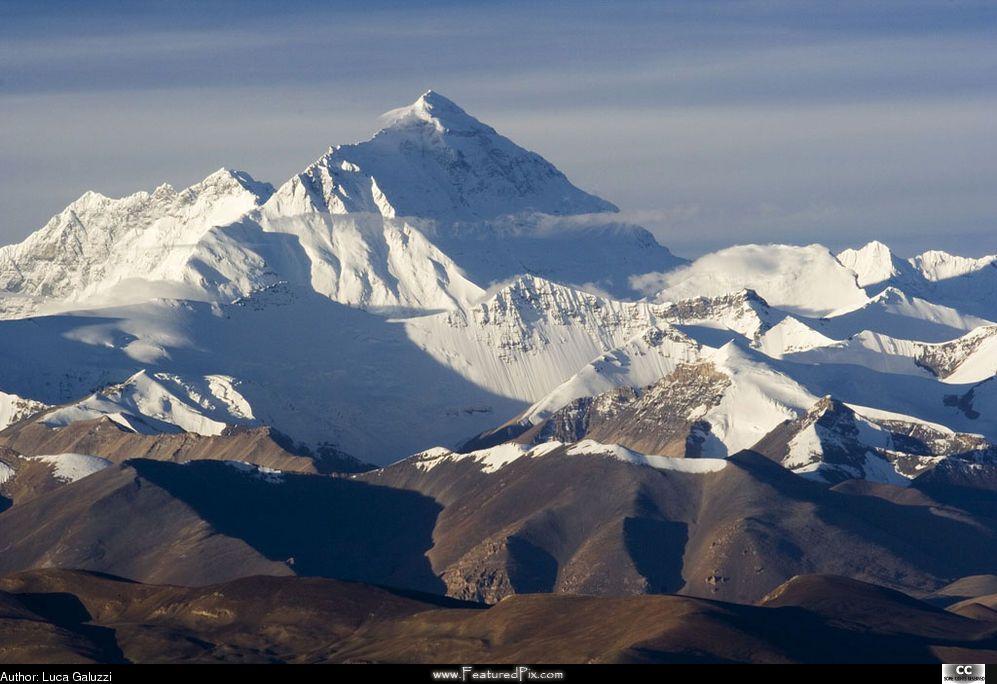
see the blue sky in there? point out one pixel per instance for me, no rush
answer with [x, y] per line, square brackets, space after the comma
[711, 123]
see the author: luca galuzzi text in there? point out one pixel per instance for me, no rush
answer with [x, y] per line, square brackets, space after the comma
[54, 677]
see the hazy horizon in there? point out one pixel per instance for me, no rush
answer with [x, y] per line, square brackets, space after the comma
[709, 123]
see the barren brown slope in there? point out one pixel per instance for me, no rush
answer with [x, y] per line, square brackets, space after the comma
[290, 619]
[208, 521]
[254, 619]
[30, 478]
[761, 524]
[878, 608]
[105, 438]
[593, 524]
[963, 589]
[588, 524]
[116, 520]
[27, 636]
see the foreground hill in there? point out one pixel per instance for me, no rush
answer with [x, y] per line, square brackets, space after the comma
[63, 616]
[581, 518]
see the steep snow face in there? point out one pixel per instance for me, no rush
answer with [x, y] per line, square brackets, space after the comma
[759, 398]
[895, 313]
[365, 261]
[936, 265]
[968, 359]
[98, 244]
[874, 263]
[790, 336]
[433, 160]
[393, 266]
[531, 335]
[73, 467]
[163, 402]
[14, 408]
[638, 362]
[803, 280]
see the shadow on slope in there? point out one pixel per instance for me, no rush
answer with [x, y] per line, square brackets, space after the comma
[211, 521]
[318, 371]
[645, 539]
[921, 397]
[814, 619]
[320, 526]
[65, 610]
[556, 248]
[946, 542]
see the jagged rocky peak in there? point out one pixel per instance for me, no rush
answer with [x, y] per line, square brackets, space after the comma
[833, 441]
[945, 358]
[98, 241]
[433, 160]
[218, 185]
[231, 180]
[529, 298]
[538, 294]
[743, 311]
[665, 418]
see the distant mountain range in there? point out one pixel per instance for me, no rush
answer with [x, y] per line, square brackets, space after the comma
[429, 361]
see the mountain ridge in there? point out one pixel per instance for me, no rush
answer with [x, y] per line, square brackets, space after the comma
[479, 264]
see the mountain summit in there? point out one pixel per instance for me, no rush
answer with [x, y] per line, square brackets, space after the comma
[434, 160]
[434, 109]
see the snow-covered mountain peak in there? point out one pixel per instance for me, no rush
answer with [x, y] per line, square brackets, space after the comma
[936, 265]
[528, 298]
[97, 242]
[873, 263]
[151, 403]
[433, 160]
[834, 441]
[891, 295]
[743, 311]
[806, 280]
[790, 336]
[231, 180]
[436, 110]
